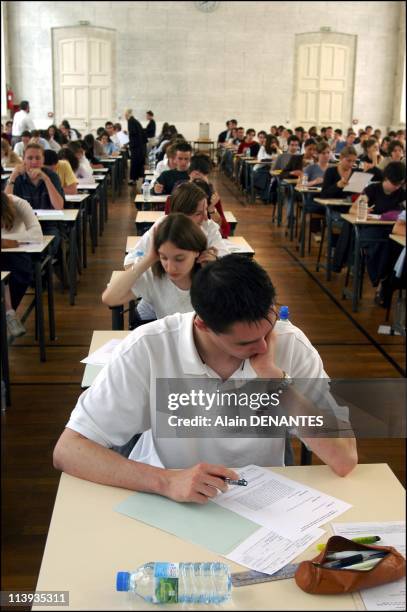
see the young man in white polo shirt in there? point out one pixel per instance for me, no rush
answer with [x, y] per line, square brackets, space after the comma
[233, 333]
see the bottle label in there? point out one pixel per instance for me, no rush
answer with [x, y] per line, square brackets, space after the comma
[166, 582]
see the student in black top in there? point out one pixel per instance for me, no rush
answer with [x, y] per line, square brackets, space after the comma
[168, 179]
[383, 197]
[371, 158]
[150, 128]
[137, 146]
[297, 163]
[337, 177]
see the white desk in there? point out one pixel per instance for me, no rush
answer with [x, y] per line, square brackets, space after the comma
[149, 217]
[88, 542]
[99, 338]
[155, 199]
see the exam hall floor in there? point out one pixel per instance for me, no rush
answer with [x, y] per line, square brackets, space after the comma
[43, 394]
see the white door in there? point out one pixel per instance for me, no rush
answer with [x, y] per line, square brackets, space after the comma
[82, 78]
[324, 87]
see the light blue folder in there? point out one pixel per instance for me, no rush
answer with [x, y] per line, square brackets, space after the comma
[210, 526]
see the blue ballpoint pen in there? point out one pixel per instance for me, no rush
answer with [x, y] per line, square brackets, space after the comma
[353, 560]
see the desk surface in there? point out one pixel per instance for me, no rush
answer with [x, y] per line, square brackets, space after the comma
[88, 186]
[332, 201]
[352, 219]
[34, 247]
[152, 198]
[5, 275]
[399, 239]
[151, 216]
[99, 338]
[69, 215]
[88, 542]
[100, 170]
[76, 197]
[305, 189]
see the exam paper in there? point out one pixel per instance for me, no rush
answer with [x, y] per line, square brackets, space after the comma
[46, 212]
[103, 354]
[390, 596]
[276, 502]
[233, 248]
[358, 181]
[266, 551]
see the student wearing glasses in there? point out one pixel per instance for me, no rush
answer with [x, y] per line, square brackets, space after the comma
[232, 333]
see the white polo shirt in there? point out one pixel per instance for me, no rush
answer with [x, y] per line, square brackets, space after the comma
[209, 228]
[162, 294]
[122, 400]
[22, 122]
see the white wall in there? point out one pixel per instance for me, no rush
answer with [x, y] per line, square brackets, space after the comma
[189, 66]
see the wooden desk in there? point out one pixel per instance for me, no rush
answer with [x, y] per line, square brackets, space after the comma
[71, 218]
[88, 542]
[38, 253]
[399, 239]
[146, 218]
[99, 338]
[152, 203]
[354, 293]
[5, 370]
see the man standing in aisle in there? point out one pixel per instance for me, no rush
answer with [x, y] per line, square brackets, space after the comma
[150, 130]
[137, 145]
[21, 122]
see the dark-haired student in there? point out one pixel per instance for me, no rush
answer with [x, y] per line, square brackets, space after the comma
[337, 177]
[232, 333]
[63, 169]
[297, 163]
[385, 198]
[168, 179]
[395, 152]
[371, 159]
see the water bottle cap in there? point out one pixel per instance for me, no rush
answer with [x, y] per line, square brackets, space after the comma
[139, 253]
[284, 313]
[122, 581]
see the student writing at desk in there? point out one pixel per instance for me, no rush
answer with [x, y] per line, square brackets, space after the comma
[233, 333]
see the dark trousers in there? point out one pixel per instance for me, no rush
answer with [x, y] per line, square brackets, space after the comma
[137, 158]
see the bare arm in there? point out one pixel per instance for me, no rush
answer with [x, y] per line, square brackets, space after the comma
[83, 458]
[119, 290]
[71, 189]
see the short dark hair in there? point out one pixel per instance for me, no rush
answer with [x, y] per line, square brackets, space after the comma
[231, 289]
[250, 131]
[24, 104]
[67, 154]
[369, 127]
[75, 146]
[338, 131]
[299, 129]
[183, 146]
[26, 134]
[293, 138]
[309, 141]
[393, 145]
[50, 157]
[150, 113]
[108, 123]
[263, 132]
[395, 172]
[118, 127]
[200, 162]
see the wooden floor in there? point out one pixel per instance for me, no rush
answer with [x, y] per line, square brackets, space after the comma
[43, 394]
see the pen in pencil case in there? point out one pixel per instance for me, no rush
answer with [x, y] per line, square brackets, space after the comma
[362, 540]
[240, 483]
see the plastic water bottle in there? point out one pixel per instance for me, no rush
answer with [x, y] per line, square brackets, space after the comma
[164, 583]
[151, 161]
[247, 152]
[146, 190]
[284, 314]
[138, 256]
[361, 212]
[304, 180]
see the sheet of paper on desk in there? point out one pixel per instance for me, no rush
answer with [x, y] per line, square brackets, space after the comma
[45, 212]
[358, 181]
[102, 355]
[266, 551]
[276, 502]
[390, 596]
[234, 248]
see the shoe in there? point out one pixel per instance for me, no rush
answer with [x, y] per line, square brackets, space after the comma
[14, 326]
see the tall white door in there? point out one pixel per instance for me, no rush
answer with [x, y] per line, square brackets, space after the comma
[83, 70]
[324, 87]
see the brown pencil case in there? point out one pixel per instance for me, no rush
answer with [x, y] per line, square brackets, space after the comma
[311, 577]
